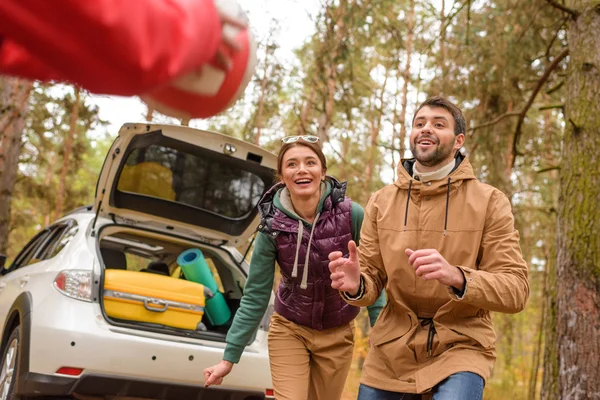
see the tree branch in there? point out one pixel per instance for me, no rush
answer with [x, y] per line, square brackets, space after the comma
[387, 146]
[302, 125]
[536, 90]
[574, 14]
[443, 28]
[343, 161]
[555, 87]
[468, 21]
[539, 171]
[551, 106]
[496, 120]
[545, 210]
[560, 28]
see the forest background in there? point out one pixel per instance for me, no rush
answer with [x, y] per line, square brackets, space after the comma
[525, 73]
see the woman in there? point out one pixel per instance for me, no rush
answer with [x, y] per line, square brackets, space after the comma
[303, 218]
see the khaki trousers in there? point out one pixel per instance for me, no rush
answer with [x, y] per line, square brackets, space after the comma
[307, 364]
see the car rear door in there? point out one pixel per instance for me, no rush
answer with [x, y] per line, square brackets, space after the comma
[31, 263]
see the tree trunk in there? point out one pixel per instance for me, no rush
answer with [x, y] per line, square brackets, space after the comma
[13, 103]
[395, 133]
[578, 242]
[326, 117]
[258, 119]
[443, 52]
[336, 30]
[259, 112]
[550, 377]
[406, 77]
[149, 114]
[14, 94]
[539, 344]
[375, 128]
[47, 183]
[509, 157]
[306, 108]
[345, 149]
[68, 148]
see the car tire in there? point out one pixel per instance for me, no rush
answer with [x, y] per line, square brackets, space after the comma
[9, 366]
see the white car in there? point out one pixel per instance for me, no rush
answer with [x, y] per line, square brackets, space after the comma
[162, 190]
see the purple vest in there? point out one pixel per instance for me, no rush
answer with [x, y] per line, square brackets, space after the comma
[318, 306]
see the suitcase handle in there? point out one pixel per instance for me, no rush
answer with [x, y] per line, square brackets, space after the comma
[155, 309]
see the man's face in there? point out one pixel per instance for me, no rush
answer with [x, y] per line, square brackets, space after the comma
[432, 139]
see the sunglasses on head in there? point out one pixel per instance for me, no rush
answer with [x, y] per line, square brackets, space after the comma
[306, 138]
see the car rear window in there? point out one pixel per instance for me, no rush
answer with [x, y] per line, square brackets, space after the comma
[209, 183]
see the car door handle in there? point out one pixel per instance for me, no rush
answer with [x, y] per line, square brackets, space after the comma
[24, 280]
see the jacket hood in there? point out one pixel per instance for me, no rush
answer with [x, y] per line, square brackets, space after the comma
[463, 171]
[270, 201]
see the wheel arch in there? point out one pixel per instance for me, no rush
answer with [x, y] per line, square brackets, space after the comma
[19, 315]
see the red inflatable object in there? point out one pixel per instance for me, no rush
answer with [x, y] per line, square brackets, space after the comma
[210, 90]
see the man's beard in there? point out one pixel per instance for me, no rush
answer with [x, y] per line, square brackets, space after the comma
[433, 158]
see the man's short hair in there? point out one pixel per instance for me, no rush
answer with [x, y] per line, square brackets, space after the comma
[460, 126]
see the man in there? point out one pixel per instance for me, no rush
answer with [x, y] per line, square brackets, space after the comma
[444, 247]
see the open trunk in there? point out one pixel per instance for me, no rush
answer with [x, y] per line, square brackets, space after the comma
[171, 190]
[143, 252]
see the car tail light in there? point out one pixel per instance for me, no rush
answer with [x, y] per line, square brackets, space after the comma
[70, 371]
[75, 284]
[270, 393]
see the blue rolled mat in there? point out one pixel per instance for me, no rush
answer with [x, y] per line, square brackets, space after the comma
[196, 269]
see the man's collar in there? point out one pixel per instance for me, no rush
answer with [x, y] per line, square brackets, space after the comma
[433, 175]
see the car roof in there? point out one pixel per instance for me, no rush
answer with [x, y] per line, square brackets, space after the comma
[79, 210]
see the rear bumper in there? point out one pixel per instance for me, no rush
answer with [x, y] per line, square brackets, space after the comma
[71, 333]
[99, 386]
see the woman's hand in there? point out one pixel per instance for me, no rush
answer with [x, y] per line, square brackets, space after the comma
[214, 375]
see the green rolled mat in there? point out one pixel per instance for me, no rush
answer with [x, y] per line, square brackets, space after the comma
[195, 269]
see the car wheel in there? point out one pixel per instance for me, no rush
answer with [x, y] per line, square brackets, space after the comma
[8, 366]
[8, 369]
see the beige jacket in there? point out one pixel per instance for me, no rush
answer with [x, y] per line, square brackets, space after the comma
[471, 225]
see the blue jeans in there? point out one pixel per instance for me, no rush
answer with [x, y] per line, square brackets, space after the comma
[459, 386]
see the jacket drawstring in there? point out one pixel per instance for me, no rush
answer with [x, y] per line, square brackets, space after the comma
[407, 204]
[298, 243]
[303, 283]
[447, 203]
[424, 322]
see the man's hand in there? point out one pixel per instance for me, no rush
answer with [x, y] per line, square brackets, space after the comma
[430, 264]
[214, 375]
[345, 272]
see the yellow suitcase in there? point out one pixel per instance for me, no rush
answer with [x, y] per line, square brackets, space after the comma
[153, 298]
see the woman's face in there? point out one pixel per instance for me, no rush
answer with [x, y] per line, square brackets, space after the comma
[302, 172]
